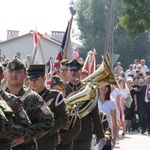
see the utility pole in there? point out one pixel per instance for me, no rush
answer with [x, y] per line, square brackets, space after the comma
[109, 32]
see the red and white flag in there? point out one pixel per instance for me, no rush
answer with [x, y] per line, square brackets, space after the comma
[57, 62]
[65, 44]
[37, 54]
[90, 62]
[75, 54]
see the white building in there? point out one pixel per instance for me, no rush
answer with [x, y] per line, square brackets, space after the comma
[23, 45]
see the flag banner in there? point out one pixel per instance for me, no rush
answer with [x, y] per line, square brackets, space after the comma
[75, 54]
[37, 54]
[90, 62]
[65, 49]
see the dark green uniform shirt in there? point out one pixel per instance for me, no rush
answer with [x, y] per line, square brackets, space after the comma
[68, 135]
[58, 107]
[87, 121]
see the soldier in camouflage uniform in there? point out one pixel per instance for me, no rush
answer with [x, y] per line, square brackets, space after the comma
[16, 119]
[36, 74]
[3, 119]
[83, 139]
[6, 122]
[40, 115]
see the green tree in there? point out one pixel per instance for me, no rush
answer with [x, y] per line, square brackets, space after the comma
[91, 23]
[131, 49]
[135, 18]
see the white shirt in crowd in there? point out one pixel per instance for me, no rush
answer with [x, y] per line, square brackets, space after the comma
[135, 66]
[144, 68]
[130, 72]
[107, 107]
[116, 92]
[124, 94]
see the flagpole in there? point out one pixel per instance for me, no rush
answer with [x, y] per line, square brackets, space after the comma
[37, 47]
[89, 62]
[69, 30]
[40, 47]
[34, 53]
[43, 61]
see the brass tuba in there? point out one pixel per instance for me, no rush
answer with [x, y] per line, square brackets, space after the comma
[86, 98]
[87, 94]
[103, 75]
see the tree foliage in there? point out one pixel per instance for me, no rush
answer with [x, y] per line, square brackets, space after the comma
[135, 18]
[91, 21]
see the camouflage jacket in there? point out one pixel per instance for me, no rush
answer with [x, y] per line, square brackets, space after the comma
[15, 120]
[6, 120]
[41, 117]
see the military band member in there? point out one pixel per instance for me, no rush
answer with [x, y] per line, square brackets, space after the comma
[67, 134]
[64, 70]
[40, 115]
[74, 83]
[36, 74]
[83, 139]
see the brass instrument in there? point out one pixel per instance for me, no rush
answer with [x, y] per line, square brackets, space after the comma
[103, 75]
[86, 98]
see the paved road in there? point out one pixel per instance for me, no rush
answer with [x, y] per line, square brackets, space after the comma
[133, 141]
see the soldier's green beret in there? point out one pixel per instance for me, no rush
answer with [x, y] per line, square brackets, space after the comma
[16, 63]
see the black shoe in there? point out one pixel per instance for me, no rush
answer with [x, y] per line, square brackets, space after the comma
[142, 132]
[123, 134]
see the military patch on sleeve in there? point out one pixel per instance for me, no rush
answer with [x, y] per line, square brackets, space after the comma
[59, 99]
[46, 111]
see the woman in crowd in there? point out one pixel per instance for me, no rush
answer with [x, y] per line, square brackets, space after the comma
[108, 106]
[115, 95]
[133, 107]
[136, 86]
[125, 93]
[57, 84]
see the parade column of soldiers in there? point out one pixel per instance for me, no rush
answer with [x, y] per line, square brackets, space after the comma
[41, 117]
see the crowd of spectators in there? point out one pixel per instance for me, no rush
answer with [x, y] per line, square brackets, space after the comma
[133, 86]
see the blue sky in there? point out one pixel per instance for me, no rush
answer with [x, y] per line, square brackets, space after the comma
[25, 15]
